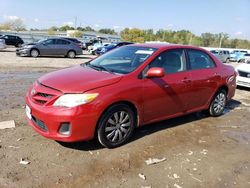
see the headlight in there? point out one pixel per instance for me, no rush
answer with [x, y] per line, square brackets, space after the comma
[72, 100]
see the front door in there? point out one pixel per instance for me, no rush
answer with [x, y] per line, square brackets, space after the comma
[167, 96]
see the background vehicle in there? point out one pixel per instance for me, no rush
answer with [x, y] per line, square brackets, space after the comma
[222, 55]
[243, 77]
[12, 40]
[2, 44]
[52, 46]
[247, 58]
[238, 56]
[79, 43]
[130, 86]
[96, 44]
[111, 46]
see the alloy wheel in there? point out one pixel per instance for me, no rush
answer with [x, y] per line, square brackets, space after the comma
[118, 126]
[219, 103]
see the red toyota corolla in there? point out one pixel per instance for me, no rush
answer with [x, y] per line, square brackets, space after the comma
[131, 86]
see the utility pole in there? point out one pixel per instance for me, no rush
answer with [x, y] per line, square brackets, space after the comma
[190, 39]
[75, 21]
[221, 37]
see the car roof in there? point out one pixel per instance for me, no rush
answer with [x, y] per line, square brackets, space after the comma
[166, 46]
[59, 38]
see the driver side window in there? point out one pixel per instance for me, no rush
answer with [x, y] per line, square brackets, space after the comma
[171, 61]
[49, 41]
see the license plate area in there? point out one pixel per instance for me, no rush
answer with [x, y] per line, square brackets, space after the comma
[28, 112]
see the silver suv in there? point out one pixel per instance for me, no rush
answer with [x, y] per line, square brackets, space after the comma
[223, 55]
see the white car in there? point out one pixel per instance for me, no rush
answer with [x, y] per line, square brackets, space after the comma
[2, 44]
[243, 78]
[247, 58]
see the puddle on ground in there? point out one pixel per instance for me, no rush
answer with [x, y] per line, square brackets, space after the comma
[239, 136]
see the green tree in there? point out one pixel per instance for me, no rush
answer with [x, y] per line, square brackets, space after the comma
[65, 28]
[14, 25]
[108, 31]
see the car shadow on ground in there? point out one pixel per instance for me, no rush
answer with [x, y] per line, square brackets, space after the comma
[60, 57]
[151, 128]
[243, 88]
[5, 50]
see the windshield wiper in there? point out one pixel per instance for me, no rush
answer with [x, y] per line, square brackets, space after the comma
[99, 68]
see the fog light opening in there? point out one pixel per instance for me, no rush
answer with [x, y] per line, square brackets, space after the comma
[65, 129]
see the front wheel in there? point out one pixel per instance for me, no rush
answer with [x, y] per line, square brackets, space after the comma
[34, 53]
[218, 103]
[71, 54]
[116, 126]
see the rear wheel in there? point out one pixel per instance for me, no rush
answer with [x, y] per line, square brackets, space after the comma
[227, 61]
[218, 103]
[18, 45]
[71, 54]
[34, 53]
[116, 126]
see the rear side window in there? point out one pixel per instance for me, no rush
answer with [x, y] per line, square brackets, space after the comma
[171, 61]
[62, 42]
[199, 60]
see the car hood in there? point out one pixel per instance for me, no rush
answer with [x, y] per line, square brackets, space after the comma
[244, 67]
[78, 79]
[28, 45]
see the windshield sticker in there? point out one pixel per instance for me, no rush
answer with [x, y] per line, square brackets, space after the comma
[148, 52]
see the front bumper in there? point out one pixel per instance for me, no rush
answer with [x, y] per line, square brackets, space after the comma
[243, 81]
[47, 120]
[25, 52]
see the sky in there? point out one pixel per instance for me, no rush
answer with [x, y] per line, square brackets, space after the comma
[228, 16]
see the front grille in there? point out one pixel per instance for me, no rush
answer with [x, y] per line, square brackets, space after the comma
[42, 98]
[40, 124]
[244, 74]
[40, 101]
[45, 95]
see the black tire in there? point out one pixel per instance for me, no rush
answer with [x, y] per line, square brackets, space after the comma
[34, 53]
[18, 45]
[228, 61]
[116, 126]
[71, 54]
[218, 103]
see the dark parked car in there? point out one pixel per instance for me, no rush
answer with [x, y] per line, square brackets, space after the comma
[79, 43]
[112, 46]
[126, 88]
[12, 40]
[52, 46]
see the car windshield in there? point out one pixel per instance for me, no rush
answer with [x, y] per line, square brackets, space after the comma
[122, 60]
[113, 45]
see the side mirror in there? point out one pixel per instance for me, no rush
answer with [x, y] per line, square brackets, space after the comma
[155, 72]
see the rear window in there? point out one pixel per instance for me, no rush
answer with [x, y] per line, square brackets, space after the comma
[199, 60]
[63, 42]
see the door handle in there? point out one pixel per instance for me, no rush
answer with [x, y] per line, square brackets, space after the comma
[186, 81]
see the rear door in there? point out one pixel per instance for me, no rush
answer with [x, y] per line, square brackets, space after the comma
[62, 47]
[204, 78]
[167, 96]
[48, 47]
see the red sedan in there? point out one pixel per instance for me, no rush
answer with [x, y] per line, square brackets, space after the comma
[131, 86]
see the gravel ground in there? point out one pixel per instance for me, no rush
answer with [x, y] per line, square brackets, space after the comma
[200, 151]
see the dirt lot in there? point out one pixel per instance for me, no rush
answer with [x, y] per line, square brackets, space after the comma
[200, 151]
